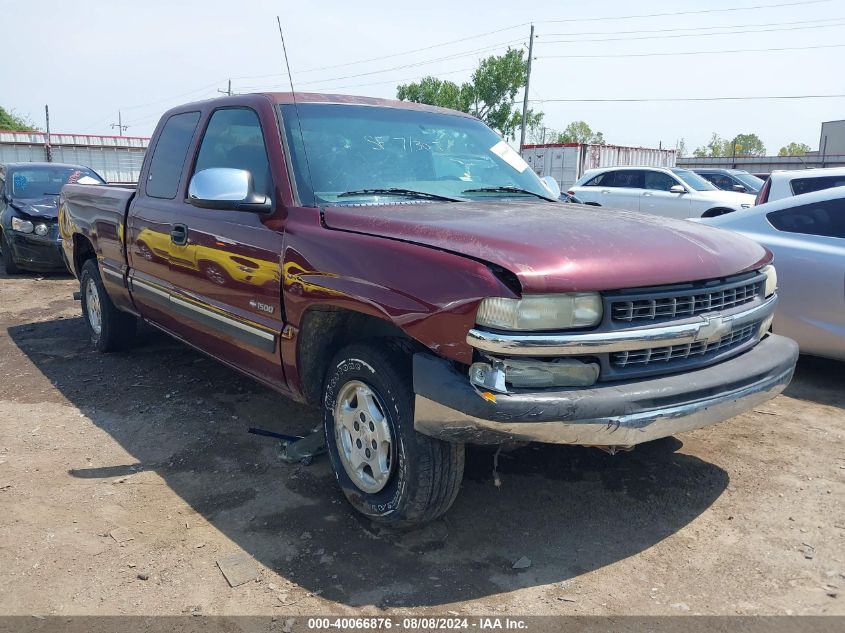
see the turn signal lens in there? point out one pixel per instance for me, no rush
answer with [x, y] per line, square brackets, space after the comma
[771, 279]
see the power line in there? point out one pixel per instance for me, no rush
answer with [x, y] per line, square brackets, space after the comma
[372, 83]
[694, 28]
[412, 65]
[204, 89]
[659, 15]
[736, 50]
[655, 99]
[399, 54]
[677, 35]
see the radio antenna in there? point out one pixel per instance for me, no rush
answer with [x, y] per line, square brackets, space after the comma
[296, 109]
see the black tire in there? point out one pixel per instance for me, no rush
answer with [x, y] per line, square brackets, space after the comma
[8, 256]
[425, 473]
[117, 329]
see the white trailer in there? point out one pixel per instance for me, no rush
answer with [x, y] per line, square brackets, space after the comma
[116, 158]
[567, 162]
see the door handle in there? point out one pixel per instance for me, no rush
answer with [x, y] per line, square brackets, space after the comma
[647, 193]
[179, 234]
[605, 191]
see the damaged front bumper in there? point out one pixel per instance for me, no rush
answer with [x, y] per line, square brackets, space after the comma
[448, 407]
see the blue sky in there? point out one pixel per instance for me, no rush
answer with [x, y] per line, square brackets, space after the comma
[89, 60]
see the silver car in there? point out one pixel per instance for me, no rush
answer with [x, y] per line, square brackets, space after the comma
[806, 233]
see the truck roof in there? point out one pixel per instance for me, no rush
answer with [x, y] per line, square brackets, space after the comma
[317, 97]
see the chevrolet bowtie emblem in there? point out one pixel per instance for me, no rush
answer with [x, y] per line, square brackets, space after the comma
[713, 329]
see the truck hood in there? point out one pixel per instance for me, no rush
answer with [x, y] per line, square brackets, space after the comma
[561, 247]
[46, 207]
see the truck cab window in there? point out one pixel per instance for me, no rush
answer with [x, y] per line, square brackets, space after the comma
[169, 155]
[234, 139]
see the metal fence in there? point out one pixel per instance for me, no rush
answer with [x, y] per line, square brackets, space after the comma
[116, 158]
[763, 164]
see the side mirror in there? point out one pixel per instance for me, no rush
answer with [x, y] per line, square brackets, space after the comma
[740, 189]
[551, 184]
[226, 189]
[677, 189]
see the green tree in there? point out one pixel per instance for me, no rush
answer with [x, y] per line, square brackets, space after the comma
[746, 145]
[14, 122]
[740, 145]
[490, 95]
[580, 132]
[794, 149]
[715, 147]
[434, 91]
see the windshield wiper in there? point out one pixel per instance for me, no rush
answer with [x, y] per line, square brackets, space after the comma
[507, 189]
[396, 191]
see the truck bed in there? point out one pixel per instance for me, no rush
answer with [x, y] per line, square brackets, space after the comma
[98, 213]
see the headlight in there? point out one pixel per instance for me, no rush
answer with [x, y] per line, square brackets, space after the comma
[541, 312]
[42, 229]
[771, 279]
[21, 225]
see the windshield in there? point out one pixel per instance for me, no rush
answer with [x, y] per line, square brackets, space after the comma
[40, 182]
[351, 148]
[751, 182]
[694, 180]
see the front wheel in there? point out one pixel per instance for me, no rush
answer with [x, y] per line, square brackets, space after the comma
[110, 328]
[9, 262]
[388, 471]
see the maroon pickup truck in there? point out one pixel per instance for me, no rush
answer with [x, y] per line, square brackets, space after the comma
[400, 266]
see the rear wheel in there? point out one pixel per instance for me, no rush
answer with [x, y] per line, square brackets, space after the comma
[388, 471]
[8, 256]
[110, 328]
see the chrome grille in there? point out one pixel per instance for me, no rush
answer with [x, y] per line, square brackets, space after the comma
[675, 353]
[685, 304]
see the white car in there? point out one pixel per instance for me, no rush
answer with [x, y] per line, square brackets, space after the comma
[806, 233]
[783, 184]
[670, 192]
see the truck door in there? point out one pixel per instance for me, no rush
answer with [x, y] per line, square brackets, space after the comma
[226, 274]
[152, 218]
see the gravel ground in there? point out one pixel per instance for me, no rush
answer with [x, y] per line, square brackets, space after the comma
[124, 478]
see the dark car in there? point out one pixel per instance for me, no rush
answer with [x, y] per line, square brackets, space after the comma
[29, 234]
[732, 179]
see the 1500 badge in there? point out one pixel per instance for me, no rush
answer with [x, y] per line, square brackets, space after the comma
[264, 307]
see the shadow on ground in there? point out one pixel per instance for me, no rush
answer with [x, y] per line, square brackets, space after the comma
[818, 380]
[568, 509]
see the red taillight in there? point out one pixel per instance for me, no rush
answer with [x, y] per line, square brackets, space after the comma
[570, 192]
[763, 194]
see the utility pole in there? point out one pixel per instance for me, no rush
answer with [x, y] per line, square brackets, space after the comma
[527, 82]
[228, 91]
[47, 146]
[119, 125]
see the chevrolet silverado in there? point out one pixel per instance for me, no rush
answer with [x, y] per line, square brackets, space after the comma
[400, 266]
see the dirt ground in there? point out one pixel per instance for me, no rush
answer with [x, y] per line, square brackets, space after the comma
[151, 445]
